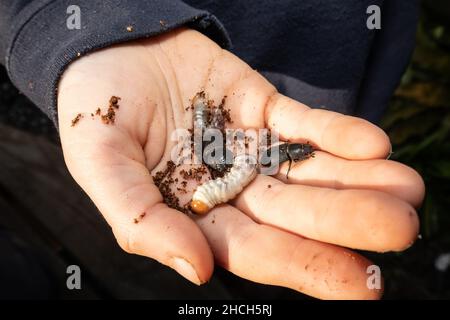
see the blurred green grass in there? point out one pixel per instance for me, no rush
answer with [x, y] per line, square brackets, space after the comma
[418, 123]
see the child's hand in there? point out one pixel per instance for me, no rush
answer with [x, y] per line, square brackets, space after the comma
[289, 234]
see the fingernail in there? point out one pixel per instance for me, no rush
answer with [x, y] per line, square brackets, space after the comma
[186, 270]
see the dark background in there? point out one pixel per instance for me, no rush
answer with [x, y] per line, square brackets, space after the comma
[53, 224]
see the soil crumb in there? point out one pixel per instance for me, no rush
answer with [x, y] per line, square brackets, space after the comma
[220, 109]
[114, 102]
[139, 218]
[76, 119]
[110, 116]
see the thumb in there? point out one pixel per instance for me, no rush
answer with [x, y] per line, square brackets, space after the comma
[110, 166]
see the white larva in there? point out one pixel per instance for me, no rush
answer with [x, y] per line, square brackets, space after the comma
[221, 190]
[200, 116]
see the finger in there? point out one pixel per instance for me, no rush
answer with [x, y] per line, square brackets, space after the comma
[270, 256]
[326, 170]
[359, 219]
[344, 136]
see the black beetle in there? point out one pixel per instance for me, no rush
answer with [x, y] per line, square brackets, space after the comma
[291, 152]
[219, 159]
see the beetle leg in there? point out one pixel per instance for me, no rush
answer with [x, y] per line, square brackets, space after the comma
[289, 168]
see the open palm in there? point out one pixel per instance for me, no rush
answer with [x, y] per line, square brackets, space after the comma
[282, 232]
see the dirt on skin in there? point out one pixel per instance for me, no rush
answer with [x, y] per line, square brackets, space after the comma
[76, 119]
[108, 118]
[165, 180]
[167, 183]
[139, 218]
[194, 173]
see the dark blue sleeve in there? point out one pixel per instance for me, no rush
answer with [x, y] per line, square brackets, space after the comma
[36, 45]
[390, 54]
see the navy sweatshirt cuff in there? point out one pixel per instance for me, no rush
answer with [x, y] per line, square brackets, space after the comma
[40, 45]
